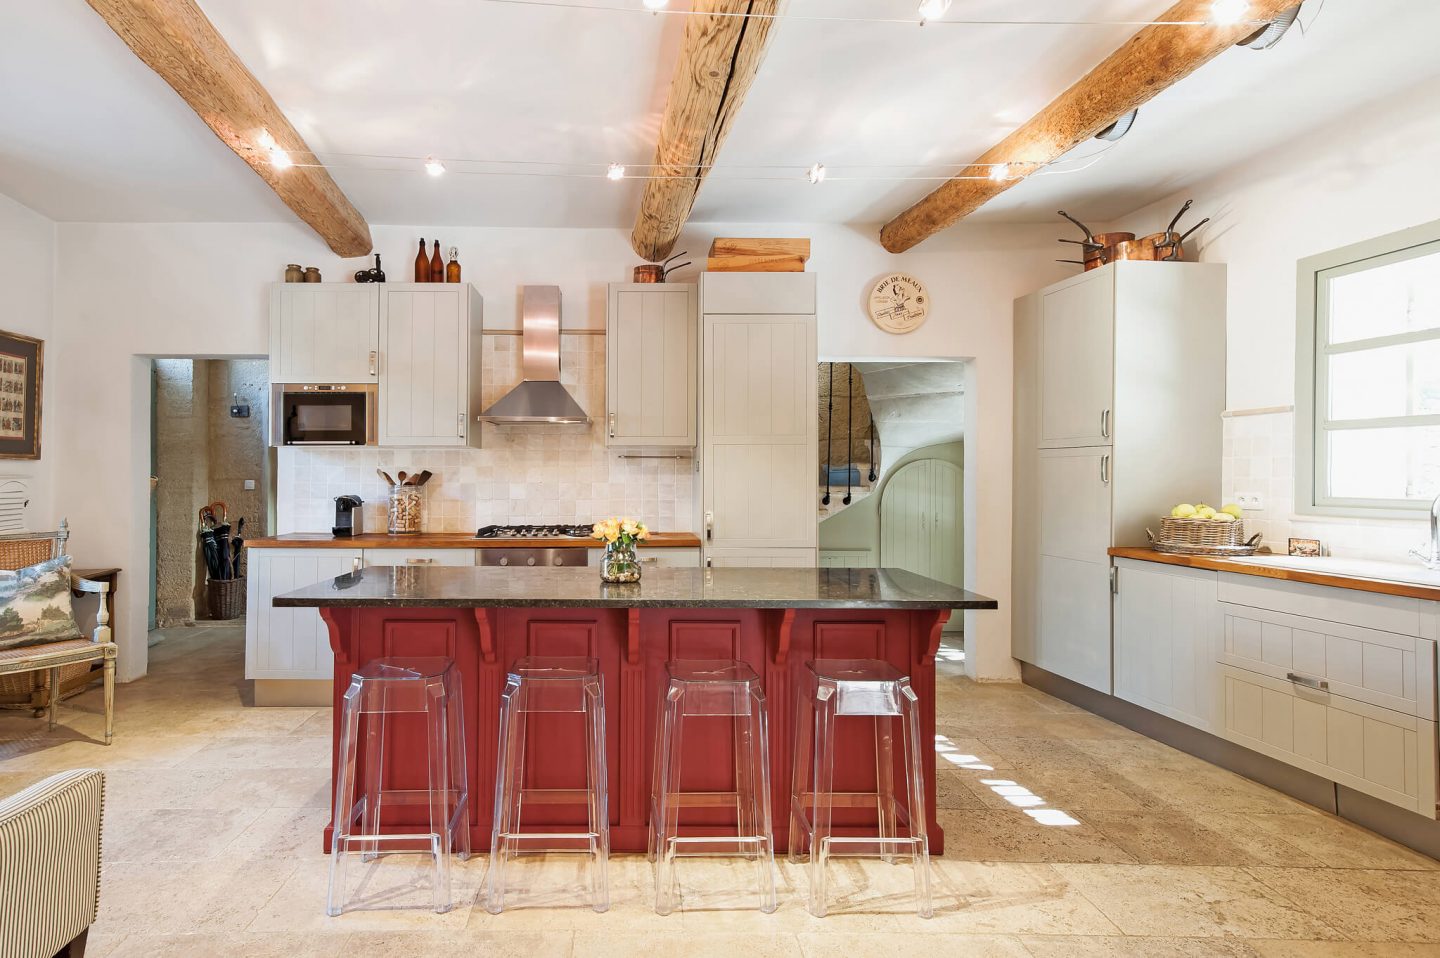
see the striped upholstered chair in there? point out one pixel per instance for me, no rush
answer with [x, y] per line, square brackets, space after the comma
[50, 865]
[36, 676]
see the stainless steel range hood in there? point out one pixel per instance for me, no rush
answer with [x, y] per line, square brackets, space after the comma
[539, 398]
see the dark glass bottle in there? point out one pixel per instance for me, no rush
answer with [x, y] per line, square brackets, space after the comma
[422, 265]
[378, 275]
[437, 266]
[452, 268]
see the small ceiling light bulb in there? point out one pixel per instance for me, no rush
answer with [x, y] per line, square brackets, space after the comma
[656, 4]
[1228, 12]
[1000, 171]
[933, 9]
[816, 173]
[433, 166]
[616, 171]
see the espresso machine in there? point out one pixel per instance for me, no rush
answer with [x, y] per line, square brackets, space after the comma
[349, 520]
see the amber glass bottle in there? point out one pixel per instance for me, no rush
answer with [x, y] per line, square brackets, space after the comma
[452, 268]
[437, 265]
[422, 264]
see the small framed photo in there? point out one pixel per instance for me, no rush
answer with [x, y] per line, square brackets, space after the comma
[1305, 547]
[22, 362]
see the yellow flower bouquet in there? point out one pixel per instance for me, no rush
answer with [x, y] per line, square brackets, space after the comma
[620, 563]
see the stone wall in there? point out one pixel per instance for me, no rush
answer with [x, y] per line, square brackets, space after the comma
[856, 421]
[181, 431]
[237, 449]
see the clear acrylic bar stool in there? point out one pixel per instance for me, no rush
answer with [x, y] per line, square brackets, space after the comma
[725, 689]
[384, 688]
[877, 690]
[550, 684]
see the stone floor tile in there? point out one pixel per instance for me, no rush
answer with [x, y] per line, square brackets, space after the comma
[1365, 904]
[1016, 836]
[1073, 946]
[1013, 899]
[1189, 901]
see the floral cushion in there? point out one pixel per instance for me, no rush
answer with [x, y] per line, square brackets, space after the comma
[35, 605]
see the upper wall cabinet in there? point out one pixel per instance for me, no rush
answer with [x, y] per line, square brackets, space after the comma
[324, 332]
[429, 379]
[651, 345]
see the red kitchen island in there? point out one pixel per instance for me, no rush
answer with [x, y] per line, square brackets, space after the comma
[774, 619]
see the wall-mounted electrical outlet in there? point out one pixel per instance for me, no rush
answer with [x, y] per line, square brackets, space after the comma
[1250, 501]
[249, 485]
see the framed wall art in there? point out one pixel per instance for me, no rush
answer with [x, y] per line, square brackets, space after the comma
[22, 361]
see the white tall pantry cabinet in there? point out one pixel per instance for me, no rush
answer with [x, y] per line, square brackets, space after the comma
[1119, 391]
[759, 420]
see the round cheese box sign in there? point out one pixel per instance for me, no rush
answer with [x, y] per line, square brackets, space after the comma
[899, 303]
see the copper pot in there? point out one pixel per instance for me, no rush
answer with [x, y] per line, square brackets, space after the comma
[649, 273]
[1135, 250]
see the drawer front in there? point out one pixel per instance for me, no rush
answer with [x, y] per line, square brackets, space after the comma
[1390, 613]
[1385, 754]
[670, 558]
[1392, 671]
[457, 557]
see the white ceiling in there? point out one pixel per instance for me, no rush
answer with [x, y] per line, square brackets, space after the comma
[87, 132]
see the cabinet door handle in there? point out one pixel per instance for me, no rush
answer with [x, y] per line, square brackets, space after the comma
[709, 563]
[612, 425]
[1308, 681]
[374, 358]
[357, 564]
[1104, 424]
[461, 425]
[709, 526]
[1105, 470]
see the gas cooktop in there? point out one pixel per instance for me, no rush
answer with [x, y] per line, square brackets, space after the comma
[547, 531]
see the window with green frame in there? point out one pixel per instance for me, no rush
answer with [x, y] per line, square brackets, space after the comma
[1368, 374]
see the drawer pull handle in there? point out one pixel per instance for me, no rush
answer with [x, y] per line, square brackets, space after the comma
[649, 560]
[1308, 682]
[419, 561]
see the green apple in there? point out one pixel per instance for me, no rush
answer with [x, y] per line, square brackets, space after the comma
[1222, 517]
[1183, 511]
[1232, 509]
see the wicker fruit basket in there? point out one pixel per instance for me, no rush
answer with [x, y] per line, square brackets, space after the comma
[1203, 537]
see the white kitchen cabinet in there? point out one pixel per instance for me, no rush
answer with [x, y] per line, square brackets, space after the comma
[920, 522]
[289, 643]
[412, 557]
[681, 558]
[1119, 389]
[760, 430]
[324, 332]
[760, 558]
[1383, 753]
[1077, 359]
[847, 559]
[1167, 628]
[651, 355]
[428, 375]
[1072, 621]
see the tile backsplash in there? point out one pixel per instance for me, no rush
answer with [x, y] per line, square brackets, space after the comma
[561, 473]
[1259, 451]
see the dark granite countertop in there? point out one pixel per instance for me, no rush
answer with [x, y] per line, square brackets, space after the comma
[474, 587]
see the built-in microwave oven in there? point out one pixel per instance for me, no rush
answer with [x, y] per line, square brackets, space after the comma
[323, 414]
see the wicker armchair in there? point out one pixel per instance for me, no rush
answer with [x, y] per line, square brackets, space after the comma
[34, 676]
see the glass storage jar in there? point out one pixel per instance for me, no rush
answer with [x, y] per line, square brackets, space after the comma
[406, 510]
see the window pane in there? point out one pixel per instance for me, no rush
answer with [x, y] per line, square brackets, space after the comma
[1402, 463]
[1399, 297]
[1393, 381]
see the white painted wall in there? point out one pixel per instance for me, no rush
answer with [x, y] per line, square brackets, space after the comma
[1371, 173]
[27, 284]
[141, 290]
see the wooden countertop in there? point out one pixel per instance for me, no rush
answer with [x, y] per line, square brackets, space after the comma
[1413, 590]
[453, 540]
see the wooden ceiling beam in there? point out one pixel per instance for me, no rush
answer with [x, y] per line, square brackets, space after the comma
[176, 40]
[719, 56]
[1154, 59]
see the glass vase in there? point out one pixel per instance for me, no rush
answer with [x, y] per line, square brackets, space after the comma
[620, 564]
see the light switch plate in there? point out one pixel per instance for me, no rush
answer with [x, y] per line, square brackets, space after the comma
[249, 485]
